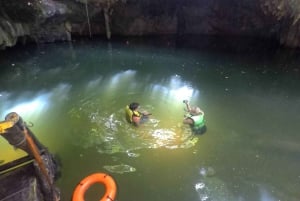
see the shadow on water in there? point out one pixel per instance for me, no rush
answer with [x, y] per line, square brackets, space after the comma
[75, 94]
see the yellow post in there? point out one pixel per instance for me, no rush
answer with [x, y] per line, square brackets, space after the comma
[5, 125]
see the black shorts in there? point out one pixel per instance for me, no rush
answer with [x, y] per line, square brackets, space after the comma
[144, 118]
[200, 130]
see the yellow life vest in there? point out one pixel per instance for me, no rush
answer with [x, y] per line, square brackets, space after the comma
[130, 114]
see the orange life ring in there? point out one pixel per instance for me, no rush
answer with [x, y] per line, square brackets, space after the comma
[108, 181]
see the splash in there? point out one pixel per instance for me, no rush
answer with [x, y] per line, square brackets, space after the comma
[110, 133]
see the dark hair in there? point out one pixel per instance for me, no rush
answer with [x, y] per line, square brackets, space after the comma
[134, 106]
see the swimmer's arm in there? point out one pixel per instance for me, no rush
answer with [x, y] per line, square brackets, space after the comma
[188, 107]
[144, 113]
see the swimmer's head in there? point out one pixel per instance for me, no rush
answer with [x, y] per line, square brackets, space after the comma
[195, 111]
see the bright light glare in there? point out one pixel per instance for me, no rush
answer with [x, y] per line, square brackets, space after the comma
[174, 90]
[94, 83]
[36, 106]
[182, 93]
[180, 90]
[265, 195]
[121, 79]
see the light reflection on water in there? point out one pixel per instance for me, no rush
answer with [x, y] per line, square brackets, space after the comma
[107, 129]
[76, 103]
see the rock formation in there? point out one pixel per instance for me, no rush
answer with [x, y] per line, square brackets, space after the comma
[59, 20]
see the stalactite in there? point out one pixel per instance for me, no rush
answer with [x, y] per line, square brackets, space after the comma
[88, 17]
[107, 13]
[107, 23]
[68, 28]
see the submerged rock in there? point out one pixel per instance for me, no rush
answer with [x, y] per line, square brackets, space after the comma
[122, 168]
[207, 172]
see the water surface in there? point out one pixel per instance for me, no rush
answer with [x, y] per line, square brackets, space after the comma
[75, 95]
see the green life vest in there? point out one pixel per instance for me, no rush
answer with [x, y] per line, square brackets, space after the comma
[199, 121]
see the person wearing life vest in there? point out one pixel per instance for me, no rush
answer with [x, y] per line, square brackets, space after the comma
[134, 116]
[195, 118]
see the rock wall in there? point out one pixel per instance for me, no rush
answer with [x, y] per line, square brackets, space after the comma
[57, 20]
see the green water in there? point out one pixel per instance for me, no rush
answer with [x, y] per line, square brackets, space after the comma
[75, 95]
